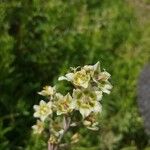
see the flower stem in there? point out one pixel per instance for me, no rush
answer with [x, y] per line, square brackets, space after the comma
[66, 122]
[52, 146]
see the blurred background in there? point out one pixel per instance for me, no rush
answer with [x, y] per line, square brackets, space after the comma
[40, 40]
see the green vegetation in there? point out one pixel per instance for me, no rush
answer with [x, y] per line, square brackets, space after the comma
[40, 40]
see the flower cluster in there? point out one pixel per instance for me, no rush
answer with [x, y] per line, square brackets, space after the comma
[57, 111]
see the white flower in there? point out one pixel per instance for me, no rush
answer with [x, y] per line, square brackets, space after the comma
[105, 87]
[63, 104]
[86, 102]
[43, 110]
[101, 77]
[104, 76]
[90, 122]
[47, 91]
[79, 78]
[38, 128]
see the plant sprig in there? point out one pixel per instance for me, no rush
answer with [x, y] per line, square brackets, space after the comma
[57, 112]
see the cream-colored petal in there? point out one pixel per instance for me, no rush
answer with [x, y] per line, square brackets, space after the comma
[40, 93]
[97, 67]
[49, 104]
[86, 123]
[59, 96]
[98, 107]
[88, 67]
[73, 104]
[36, 114]
[43, 117]
[85, 85]
[99, 95]
[107, 74]
[42, 102]
[36, 107]
[84, 112]
[62, 78]
[93, 128]
[68, 97]
[76, 93]
[70, 76]
[59, 112]
[106, 88]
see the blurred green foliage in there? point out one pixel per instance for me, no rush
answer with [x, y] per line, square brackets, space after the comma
[39, 40]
